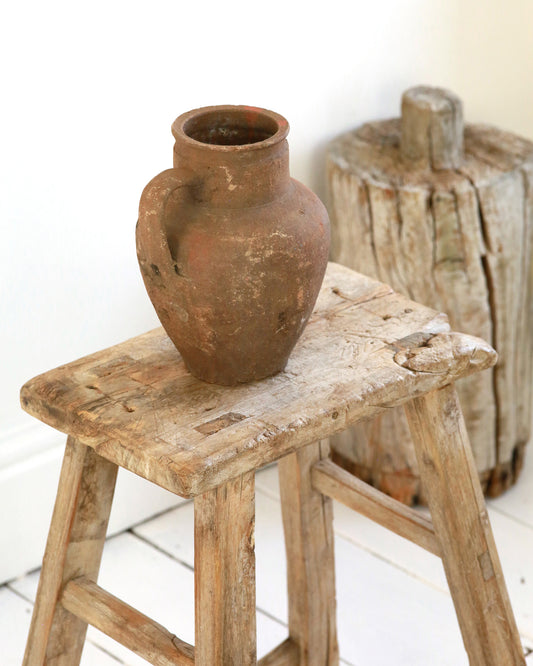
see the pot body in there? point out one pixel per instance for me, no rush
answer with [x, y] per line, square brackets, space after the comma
[232, 250]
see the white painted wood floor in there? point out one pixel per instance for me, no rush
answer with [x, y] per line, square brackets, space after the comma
[393, 605]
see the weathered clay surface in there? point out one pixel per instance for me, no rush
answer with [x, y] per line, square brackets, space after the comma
[232, 250]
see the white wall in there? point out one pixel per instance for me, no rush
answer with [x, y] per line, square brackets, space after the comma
[88, 94]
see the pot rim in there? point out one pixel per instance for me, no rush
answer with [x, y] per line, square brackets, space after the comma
[179, 133]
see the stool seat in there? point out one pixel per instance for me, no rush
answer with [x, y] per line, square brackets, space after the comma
[365, 349]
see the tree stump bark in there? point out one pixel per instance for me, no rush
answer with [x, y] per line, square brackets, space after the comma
[444, 213]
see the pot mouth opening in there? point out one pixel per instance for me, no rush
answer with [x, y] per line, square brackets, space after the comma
[231, 127]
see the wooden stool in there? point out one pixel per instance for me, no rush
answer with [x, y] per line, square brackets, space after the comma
[365, 350]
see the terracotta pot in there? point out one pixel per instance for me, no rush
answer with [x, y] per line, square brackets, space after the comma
[232, 250]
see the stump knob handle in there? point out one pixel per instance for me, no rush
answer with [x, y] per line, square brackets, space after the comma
[432, 128]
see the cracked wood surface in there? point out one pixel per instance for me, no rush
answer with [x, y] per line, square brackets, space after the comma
[365, 350]
[224, 574]
[74, 548]
[97, 607]
[308, 528]
[335, 482]
[451, 229]
[463, 530]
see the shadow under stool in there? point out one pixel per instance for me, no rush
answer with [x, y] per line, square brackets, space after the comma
[366, 349]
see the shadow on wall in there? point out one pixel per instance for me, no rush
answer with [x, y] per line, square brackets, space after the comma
[489, 58]
[481, 51]
[345, 111]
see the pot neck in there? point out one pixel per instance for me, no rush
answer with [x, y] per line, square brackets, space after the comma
[232, 157]
[234, 181]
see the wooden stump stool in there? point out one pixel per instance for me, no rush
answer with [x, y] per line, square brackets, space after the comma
[443, 212]
[365, 350]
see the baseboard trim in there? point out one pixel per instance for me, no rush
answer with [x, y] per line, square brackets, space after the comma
[30, 462]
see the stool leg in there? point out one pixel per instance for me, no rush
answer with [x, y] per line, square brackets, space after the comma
[224, 574]
[461, 523]
[74, 548]
[308, 525]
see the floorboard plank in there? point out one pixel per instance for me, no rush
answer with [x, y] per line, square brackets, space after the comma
[511, 516]
[370, 592]
[384, 581]
[171, 532]
[158, 586]
[15, 616]
[517, 502]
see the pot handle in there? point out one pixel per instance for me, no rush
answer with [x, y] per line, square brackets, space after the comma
[153, 252]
